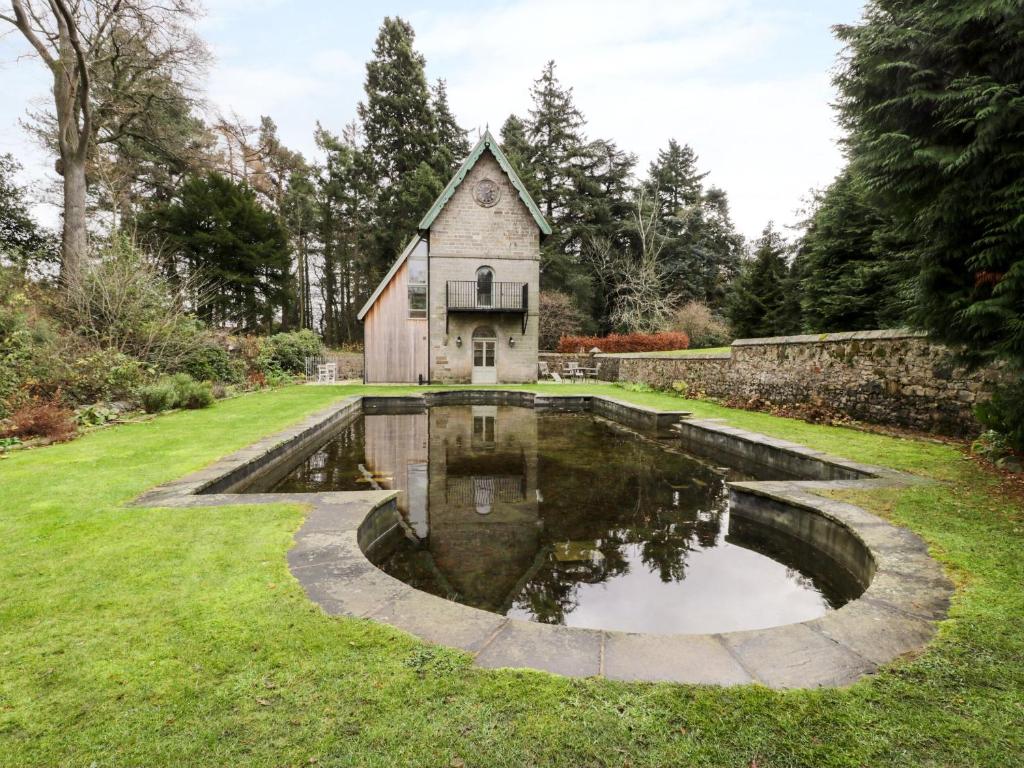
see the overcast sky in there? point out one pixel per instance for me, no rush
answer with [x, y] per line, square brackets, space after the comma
[745, 82]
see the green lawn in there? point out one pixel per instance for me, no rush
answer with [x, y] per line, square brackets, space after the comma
[685, 352]
[178, 637]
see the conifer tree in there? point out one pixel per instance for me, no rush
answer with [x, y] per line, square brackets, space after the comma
[761, 302]
[403, 145]
[930, 94]
[852, 278]
[702, 249]
[345, 198]
[451, 137]
[555, 135]
[217, 229]
[517, 148]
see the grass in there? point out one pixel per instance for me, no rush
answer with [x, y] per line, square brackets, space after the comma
[178, 637]
[684, 352]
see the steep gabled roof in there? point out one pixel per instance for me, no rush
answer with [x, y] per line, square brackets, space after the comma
[487, 141]
[387, 278]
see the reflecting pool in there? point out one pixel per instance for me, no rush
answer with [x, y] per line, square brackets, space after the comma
[568, 519]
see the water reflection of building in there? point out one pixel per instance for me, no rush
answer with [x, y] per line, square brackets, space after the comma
[396, 459]
[484, 517]
[467, 482]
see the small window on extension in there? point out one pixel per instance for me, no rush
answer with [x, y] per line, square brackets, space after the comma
[417, 301]
[417, 266]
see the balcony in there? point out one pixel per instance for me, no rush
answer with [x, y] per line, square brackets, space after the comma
[471, 296]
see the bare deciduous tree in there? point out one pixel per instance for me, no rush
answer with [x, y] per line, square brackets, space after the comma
[75, 38]
[634, 275]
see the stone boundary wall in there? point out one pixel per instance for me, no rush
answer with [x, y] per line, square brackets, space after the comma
[895, 377]
[350, 364]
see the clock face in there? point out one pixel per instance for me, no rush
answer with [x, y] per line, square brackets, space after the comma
[486, 193]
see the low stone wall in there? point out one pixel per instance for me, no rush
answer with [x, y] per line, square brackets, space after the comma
[703, 374]
[350, 364]
[883, 377]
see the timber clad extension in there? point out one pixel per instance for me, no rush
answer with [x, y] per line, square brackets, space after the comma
[460, 303]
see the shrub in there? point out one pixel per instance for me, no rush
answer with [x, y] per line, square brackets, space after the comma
[94, 416]
[704, 328]
[189, 393]
[157, 397]
[1004, 413]
[681, 388]
[126, 303]
[42, 418]
[626, 342]
[287, 352]
[102, 374]
[208, 361]
[559, 316]
[177, 391]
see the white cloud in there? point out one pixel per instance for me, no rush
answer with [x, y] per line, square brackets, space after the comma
[648, 71]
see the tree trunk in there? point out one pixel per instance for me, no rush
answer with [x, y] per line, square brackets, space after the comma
[75, 241]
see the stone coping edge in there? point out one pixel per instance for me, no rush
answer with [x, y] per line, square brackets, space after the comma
[897, 614]
[818, 338]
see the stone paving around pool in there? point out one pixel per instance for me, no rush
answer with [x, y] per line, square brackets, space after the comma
[907, 593]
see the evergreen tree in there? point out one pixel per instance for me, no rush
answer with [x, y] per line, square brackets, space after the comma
[555, 136]
[451, 137]
[852, 279]
[761, 302]
[702, 249]
[517, 148]
[344, 199]
[23, 243]
[217, 229]
[674, 177]
[723, 246]
[930, 94]
[407, 158]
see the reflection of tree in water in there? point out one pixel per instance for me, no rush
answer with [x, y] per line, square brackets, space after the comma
[605, 486]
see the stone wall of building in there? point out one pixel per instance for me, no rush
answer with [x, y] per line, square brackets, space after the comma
[883, 377]
[464, 237]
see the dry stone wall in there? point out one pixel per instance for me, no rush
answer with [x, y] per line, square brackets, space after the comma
[883, 377]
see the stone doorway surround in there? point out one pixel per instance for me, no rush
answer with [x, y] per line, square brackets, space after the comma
[907, 595]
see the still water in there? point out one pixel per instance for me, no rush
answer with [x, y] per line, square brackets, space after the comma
[570, 519]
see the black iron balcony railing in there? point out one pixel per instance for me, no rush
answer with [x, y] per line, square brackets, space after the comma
[473, 296]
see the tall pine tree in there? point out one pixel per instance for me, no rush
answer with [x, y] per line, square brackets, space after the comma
[408, 159]
[852, 278]
[762, 299]
[931, 96]
[217, 228]
[702, 249]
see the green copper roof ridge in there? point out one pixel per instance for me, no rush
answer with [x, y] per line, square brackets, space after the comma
[487, 141]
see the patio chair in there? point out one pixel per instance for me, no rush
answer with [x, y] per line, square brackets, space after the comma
[572, 370]
[327, 373]
[556, 378]
[542, 370]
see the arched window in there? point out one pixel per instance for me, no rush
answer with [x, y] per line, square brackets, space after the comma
[485, 287]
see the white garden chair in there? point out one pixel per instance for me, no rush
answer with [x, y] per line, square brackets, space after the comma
[327, 373]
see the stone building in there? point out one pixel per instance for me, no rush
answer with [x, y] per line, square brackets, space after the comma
[460, 303]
